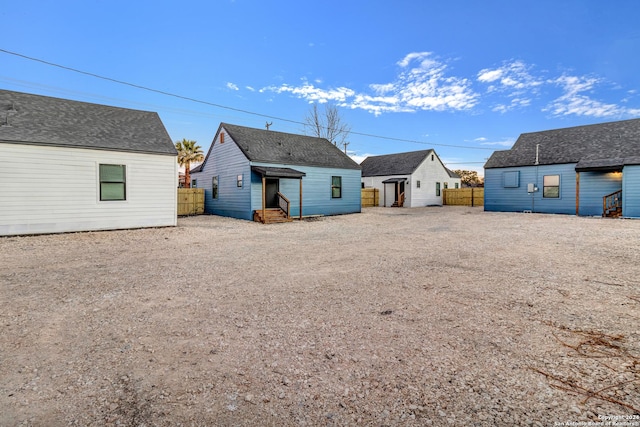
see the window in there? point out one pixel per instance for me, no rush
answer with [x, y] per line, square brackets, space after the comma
[336, 187]
[239, 181]
[437, 188]
[113, 182]
[432, 157]
[551, 186]
[418, 184]
[457, 185]
[194, 183]
[446, 185]
[221, 137]
[214, 187]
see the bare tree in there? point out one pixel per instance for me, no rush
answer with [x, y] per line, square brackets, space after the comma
[327, 124]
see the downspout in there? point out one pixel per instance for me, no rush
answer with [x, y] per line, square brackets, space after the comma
[264, 198]
[577, 193]
[533, 195]
[300, 198]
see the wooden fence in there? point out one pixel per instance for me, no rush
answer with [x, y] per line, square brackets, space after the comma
[463, 196]
[370, 197]
[190, 201]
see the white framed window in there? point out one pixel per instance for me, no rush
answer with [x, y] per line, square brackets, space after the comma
[214, 187]
[551, 186]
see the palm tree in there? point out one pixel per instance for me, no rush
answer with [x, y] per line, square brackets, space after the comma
[188, 152]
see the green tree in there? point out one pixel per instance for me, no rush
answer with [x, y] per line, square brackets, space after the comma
[188, 152]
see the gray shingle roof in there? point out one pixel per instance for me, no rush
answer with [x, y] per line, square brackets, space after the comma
[601, 146]
[267, 146]
[394, 164]
[43, 120]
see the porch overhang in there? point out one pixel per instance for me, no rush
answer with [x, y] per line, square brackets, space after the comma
[271, 172]
[392, 180]
[600, 165]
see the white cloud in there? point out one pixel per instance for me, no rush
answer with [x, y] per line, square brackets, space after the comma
[311, 93]
[506, 142]
[488, 76]
[422, 84]
[232, 86]
[574, 102]
[250, 88]
[425, 83]
[514, 80]
[423, 57]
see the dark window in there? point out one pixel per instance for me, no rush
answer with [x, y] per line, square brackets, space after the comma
[551, 186]
[113, 182]
[336, 187]
[239, 181]
[418, 184]
[437, 189]
[214, 187]
[457, 185]
[194, 183]
[446, 185]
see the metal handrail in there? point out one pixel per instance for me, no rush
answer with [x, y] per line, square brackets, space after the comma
[611, 202]
[284, 203]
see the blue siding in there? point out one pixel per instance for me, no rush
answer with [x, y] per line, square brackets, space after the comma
[227, 162]
[631, 191]
[497, 198]
[593, 187]
[316, 190]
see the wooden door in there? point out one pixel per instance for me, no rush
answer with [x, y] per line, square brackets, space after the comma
[271, 192]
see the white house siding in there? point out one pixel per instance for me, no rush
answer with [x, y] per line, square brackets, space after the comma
[428, 173]
[45, 189]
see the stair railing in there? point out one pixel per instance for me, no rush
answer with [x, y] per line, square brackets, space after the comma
[611, 202]
[284, 204]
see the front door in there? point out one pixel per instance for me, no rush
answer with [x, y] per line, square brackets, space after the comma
[271, 192]
[399, 190]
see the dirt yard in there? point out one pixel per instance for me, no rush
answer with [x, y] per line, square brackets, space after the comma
[428, 316]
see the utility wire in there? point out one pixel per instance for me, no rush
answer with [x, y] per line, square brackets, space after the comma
[199, 101]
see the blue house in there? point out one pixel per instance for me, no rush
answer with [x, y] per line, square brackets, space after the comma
[269, 176]
[583, 170]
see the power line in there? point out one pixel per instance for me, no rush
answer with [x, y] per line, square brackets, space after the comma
[199, 101]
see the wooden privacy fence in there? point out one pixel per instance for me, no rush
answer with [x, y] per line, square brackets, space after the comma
[190, 201]
[463, 196]
[370, 197]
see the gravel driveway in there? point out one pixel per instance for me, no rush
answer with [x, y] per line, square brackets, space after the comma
[424, 316]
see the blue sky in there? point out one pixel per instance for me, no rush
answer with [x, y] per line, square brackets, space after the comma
[462, 77]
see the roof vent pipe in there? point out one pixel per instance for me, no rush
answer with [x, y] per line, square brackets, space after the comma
[537, 151]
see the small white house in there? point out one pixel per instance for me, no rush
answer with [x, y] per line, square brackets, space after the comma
[69, 166]
[411, 179]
